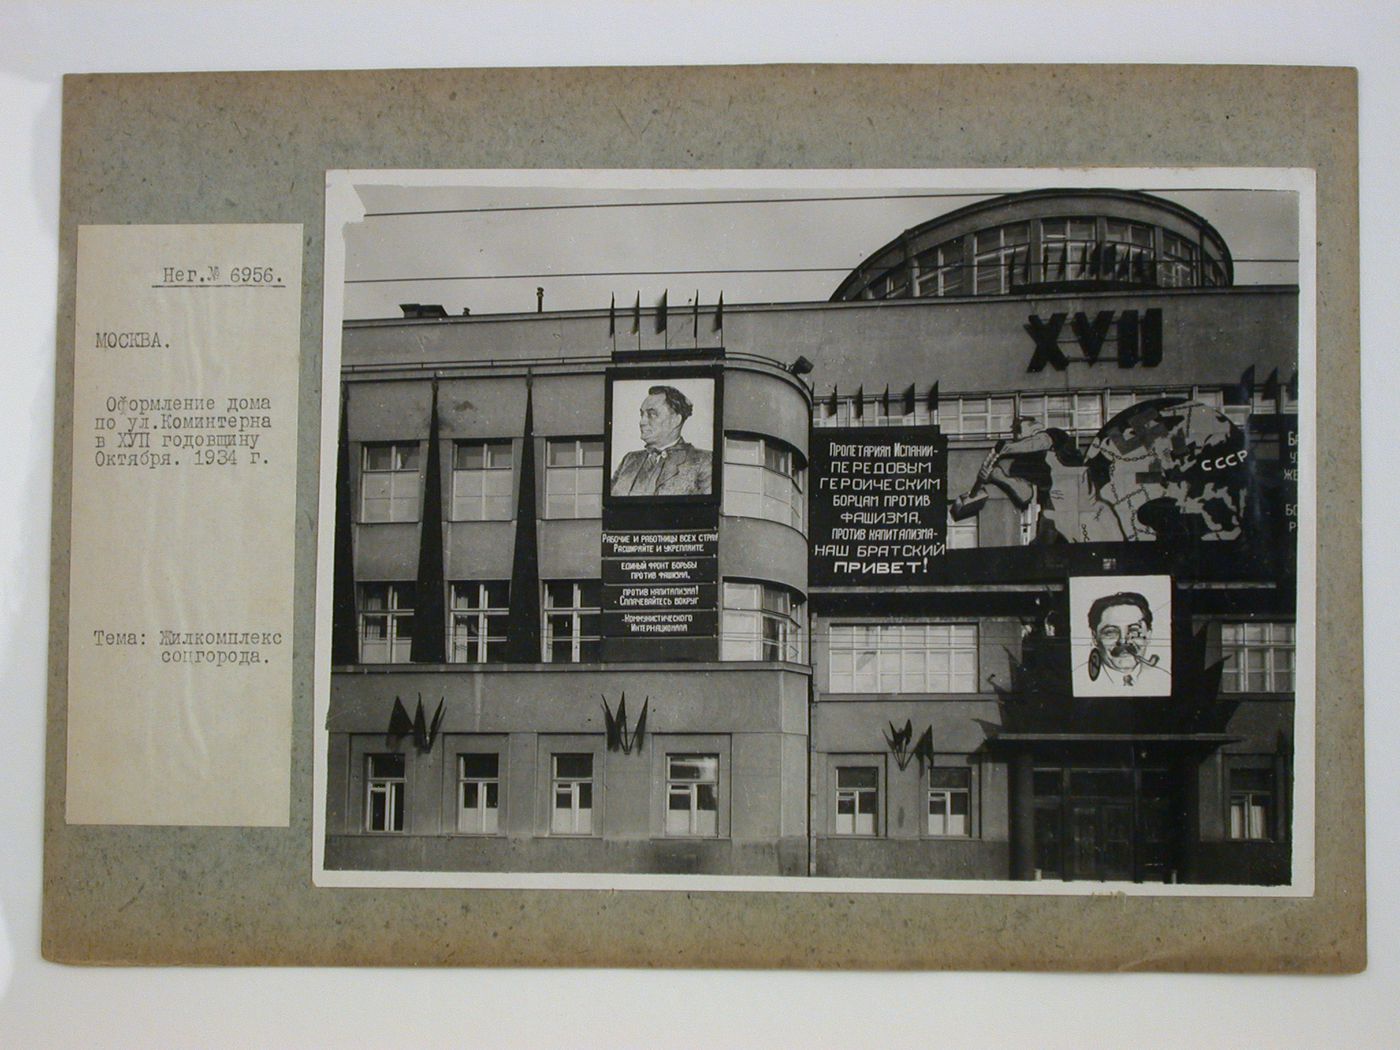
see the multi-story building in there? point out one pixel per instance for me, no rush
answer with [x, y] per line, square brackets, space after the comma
[1097, 400]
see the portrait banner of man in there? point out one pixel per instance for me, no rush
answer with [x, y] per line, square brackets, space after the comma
[662, 437]
[1121, 635]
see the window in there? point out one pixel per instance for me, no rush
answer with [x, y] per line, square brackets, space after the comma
[478, 794]
[760, 621]
[480, 612]
[385, 787]
[692, 795]
[572, 813]
[857, 800]
[1128, 251]
[1258, 657]
[1001, 258]
[1066, 248]
[1252, 804]
[942, 271]
[903, 658]
[483, 481]
[389, 483]
[976, 416]
[949, 801]
[762, 479]
[1178, 266]
[962, 535]
[386, 623]
[573, 478]
[571, 621]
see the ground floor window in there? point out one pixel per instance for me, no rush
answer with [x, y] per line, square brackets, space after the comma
[479, 794]
[1252, 804]
[857, 800]
[572, 619]
[949, 801]
[385, 788]
[573, 795]
[692, 795]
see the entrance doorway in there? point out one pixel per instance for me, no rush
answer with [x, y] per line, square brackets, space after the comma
[1106, 824]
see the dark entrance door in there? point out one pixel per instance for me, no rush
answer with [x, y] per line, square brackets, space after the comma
[1106, 824]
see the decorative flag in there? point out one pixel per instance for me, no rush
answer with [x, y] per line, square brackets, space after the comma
[612, 315]
[858, 404]
[834, 401]
[924, 748]
[661, 313]
[909, 400]
[719, 314]
[400, 725]
[1242, 393]
[933, 400]
[885, 402]
[695, 315]
[637, 314]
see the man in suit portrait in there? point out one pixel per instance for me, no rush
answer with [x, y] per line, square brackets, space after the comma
[668, 465]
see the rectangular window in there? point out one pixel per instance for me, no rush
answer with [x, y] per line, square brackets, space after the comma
[572, 791]
[1178, 266]
[1258, 657]
[1001, 258]
[479, 614]
[573, 478]
[692, 795]
[483, 480]
[941, 270]
[760, 621]
[478, 794]
[572, 621]
[1128, 250]
[762, 479]
[386, 623]
[903, 658]
[389, 482]
[976, 416]
[949, 801]
[385, 787]
[962, 535]
[1066, 248]
[857, 800]
[1252, 794]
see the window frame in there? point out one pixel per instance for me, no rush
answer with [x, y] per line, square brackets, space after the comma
[1247, 795]
[584, 648]
[399, 648]
[403, 500]
[553, 474]
[788, 643]
[690, 787]
[574, 785]
[1234, 679]
[958, 643]
[461, 503]
[486, 616]
[394, 788]
[948, 792]
[839, 793]
[782, 487]
[483, 785]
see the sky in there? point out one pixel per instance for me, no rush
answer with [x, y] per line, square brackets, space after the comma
[489, 241]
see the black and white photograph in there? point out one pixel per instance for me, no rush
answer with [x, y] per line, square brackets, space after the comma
[916, 531]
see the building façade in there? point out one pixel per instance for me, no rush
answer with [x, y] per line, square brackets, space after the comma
[492, 711]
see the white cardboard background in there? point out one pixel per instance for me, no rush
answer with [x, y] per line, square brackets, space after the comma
[43, 1004]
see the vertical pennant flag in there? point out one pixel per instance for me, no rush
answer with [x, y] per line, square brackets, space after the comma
[924, 748]
[834, 402]
[1026, 266]
[695, 316]
[344, 643]
[1293, 386]
[858, 403]
[719, 314]
[400, 725]
[661, 313]
[909, 398]
[429, 644]
[637, 315]
[885, 402]
[523, 641]
[612, 316]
